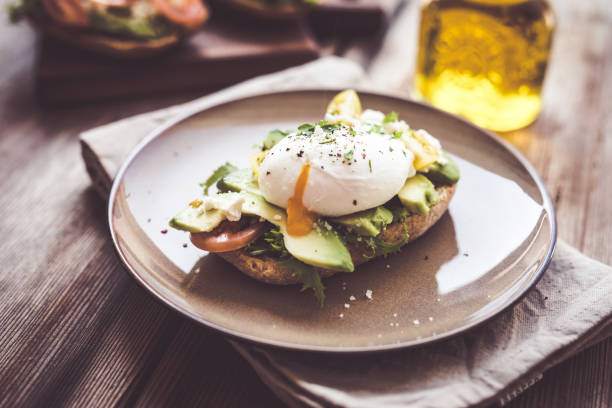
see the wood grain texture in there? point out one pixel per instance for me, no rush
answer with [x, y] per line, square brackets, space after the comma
[223, 53]
[78, 331]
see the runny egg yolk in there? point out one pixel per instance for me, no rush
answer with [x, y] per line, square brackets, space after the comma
[299, 219]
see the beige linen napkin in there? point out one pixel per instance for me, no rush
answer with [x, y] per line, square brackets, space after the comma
[569, 309]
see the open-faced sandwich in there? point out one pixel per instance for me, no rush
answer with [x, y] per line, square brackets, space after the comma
[271, 9]
[324, 198]
[128, 28]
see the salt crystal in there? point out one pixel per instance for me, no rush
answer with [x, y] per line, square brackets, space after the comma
[368, 294]
[352, 298]
[346, 305]
[416, 322]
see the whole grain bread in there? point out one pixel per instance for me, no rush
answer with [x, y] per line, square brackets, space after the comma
[267, 269]
[105, 44]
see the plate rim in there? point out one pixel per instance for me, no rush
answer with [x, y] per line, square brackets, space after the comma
[547, 205]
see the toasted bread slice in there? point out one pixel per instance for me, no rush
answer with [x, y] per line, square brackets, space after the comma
[105, 44]
[266, 269]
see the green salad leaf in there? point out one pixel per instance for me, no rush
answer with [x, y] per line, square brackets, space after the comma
[391, 117]
[271, 243]
[217, 175]
[308, 275]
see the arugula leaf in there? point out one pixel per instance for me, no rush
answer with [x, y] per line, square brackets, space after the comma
[308, 275]
[400, 213]
[349, 155]
[376, 128]
[329, 127]
[271, 243]
[391, 117]
[217, 175]
[376, 245]
[385, 248]
[132, 27]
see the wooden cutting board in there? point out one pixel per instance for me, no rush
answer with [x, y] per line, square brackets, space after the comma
[227, 50]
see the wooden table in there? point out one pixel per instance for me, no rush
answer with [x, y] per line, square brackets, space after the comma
[78, 330]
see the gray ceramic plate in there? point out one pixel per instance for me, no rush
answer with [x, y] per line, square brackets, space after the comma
[484, 254]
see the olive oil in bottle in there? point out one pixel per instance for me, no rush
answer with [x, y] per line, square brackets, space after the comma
[485, 59]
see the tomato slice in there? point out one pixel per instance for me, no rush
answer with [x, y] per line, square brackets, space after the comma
[188, 13]
[113, 3]
[227, 237]
[67, 12]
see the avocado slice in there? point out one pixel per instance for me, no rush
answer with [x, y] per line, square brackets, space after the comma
[369, 222]
[273, 137]
[321, 247]
[443, 174]
[239, 180]
[418, 194]
[193, 219]
[190, 219]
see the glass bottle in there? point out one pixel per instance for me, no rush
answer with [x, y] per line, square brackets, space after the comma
[485, 59]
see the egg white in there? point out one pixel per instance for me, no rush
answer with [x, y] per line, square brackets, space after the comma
[339, 182]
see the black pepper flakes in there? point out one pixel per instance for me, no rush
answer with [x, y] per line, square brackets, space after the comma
[164, 231]
[354, 202]
[300, 154]
[185, 245]
[426, 257]
[268, 173]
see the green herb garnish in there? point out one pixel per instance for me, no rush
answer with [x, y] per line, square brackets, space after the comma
[217, 175]
[306, 129]
[349, 155]
[271, 243]
[307, 275]
[376, 128]
[391, 117]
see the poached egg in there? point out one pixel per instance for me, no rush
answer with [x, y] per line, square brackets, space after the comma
[335, 171]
